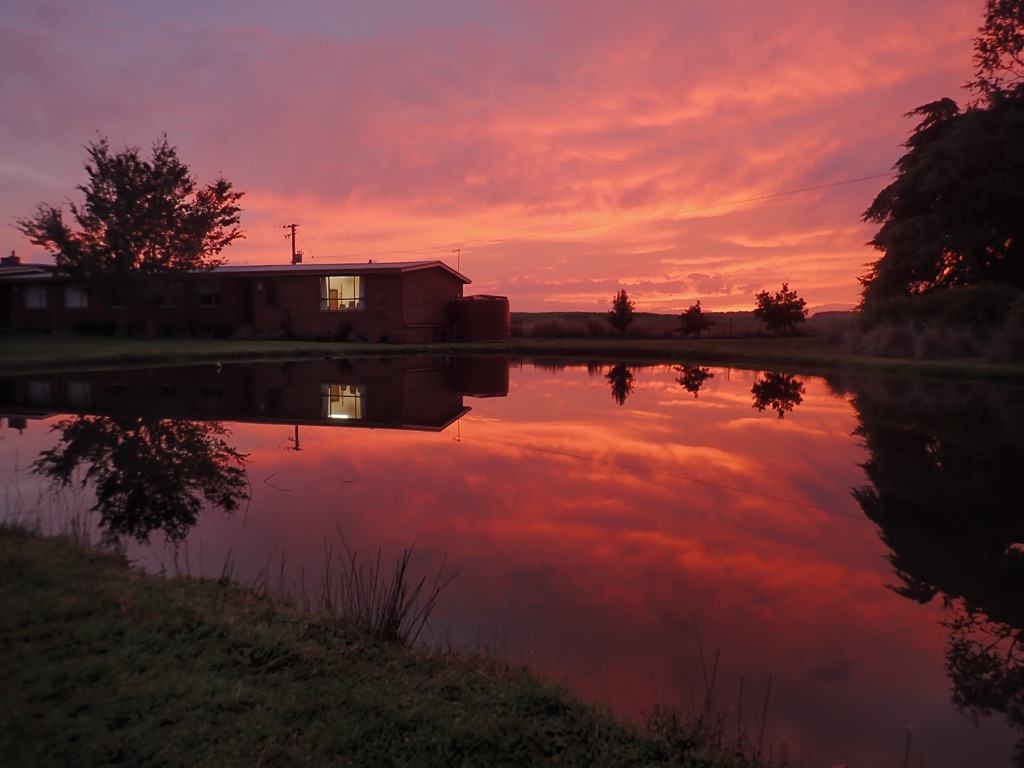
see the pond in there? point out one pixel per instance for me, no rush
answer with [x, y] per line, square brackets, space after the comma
[835, 566]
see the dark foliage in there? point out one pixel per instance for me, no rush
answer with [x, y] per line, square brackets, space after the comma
[149, 474]
[622, 382]
[693, 321]
[621, 313]
[692, 377]
[944, 488]
[140, 217]
[779, 391]
[782, 312]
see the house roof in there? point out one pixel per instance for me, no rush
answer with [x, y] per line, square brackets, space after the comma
[37, 271]
[358, 268]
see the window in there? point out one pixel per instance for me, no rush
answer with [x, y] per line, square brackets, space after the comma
[343, 401]
[35, 297]
[341, 293]
[209, 293]
[79, 394]
[39, 393]
[75, 296]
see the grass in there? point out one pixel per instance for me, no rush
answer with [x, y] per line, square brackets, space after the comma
[102, 664]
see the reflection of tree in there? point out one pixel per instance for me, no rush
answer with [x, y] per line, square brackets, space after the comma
[621, 380]
[692, 377]
[779, 391]
[148, 473]
[944, 487]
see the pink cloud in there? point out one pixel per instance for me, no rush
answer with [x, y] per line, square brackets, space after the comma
[417, 134]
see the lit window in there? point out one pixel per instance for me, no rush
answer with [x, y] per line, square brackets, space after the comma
[35, 297]
[75, 296]
[343, 401]
[341, 292]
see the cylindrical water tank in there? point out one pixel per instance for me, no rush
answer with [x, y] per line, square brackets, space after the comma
[481, 318]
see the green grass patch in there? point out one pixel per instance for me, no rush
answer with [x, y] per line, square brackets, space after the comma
[102, 665]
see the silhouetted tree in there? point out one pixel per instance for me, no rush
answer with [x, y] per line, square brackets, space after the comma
[141, 217]
[692, 377]
[694, 321]
[779, 391]
[621, 380]
[999, 50]
[952, 216]
[621, 313]
[149, 474]
[780, 313]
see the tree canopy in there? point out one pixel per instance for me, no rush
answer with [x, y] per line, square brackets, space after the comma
[140, 216]
[694, 321]
[954, 214]
[780, 313]
[621, 313]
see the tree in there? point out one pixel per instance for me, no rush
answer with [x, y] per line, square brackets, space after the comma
[952, 216]
[621, 313]
[141, 217]
[694, 321]
[692, 377]
[780, 313]
[999, 50]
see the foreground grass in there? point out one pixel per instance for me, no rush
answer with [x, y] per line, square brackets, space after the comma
[798, 354]
[102, 665]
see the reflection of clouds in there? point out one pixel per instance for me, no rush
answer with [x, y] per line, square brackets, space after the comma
[598, 572]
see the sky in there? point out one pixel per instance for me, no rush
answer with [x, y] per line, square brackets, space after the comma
[553, 152]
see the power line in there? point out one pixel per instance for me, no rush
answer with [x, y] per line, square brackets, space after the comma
[616, 222]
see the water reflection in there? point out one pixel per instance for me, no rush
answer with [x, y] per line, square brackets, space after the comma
[779, 391]
[149, 474]
[945, 490]
[621, 380]
[692, 377]
[139, 442]
[591, 545]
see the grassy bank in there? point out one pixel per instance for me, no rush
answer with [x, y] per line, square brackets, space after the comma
[799, 354]
[101, 665]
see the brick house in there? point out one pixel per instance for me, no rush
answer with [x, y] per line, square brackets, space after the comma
[398, 302]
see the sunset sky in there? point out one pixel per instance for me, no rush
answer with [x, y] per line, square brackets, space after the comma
[553, 151]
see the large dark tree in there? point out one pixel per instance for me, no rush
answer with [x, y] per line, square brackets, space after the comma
[140, 217]
[694, 321]
[999, 50]
[954, 215]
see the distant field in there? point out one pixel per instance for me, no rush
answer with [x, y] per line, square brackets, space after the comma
[648, 325]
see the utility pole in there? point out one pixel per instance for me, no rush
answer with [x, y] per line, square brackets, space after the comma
[296, 257]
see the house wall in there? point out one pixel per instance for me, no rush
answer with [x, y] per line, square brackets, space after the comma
[410, 306]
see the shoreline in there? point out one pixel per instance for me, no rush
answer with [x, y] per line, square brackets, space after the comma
[112, 664]
[808, 355]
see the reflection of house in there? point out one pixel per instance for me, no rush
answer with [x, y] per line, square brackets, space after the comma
[395, 392]
[416, 301]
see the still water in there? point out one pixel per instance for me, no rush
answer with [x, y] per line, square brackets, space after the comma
[836, 564]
